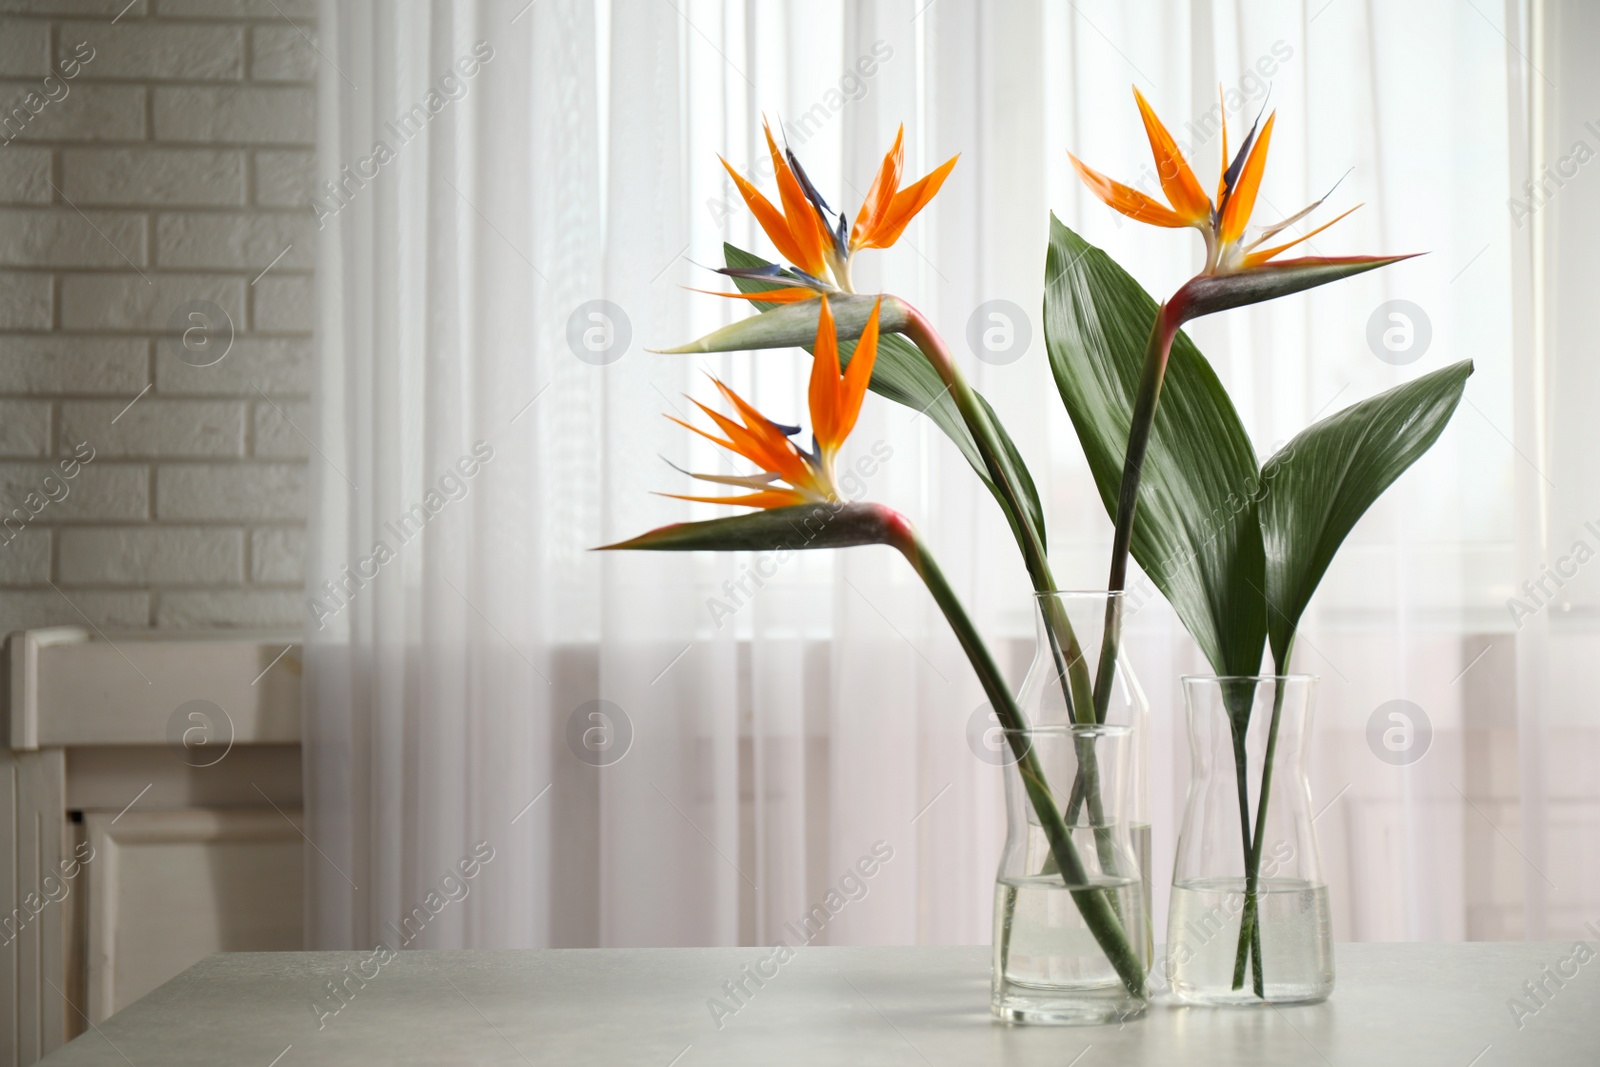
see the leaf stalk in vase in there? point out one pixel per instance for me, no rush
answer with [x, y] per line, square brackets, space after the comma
[1097, 905]
[1065, 651]
[1064, 647]
[1249, 928]
[1168, 318]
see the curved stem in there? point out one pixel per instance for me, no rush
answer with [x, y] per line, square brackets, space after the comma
[1168, 317]
[1071, 665]
[1096, 905]
[1064, 643]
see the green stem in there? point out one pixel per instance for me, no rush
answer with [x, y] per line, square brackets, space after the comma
[1063, 642]
[1086, 790]
[1096, 905]
[1071, 666]
[1105, 845]
[1241, 776]
[1157, 351]
[1249, 927]
[1151, 377]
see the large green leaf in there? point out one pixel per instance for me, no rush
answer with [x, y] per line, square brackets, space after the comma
[901, 373]
[1195, 532]
[1321, 482]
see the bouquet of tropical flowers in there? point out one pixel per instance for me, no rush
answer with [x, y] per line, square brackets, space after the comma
[1235, 545]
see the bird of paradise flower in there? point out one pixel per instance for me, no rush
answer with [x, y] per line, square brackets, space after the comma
[821, 252]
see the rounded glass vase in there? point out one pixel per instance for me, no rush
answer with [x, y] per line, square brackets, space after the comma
[1072, 938]
[1249, 918]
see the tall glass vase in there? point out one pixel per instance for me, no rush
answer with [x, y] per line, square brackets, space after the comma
[1069, 653]
[1074, 947]
[1249, 922]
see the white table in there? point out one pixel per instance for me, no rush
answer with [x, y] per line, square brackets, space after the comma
[1410, 1004]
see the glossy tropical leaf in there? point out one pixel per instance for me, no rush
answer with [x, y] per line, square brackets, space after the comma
[795, 528]
[1325, 479]
[1195, 532]
[901, 374]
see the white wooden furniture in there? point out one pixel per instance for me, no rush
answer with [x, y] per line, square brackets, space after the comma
[1395, 1004]
[149, 815]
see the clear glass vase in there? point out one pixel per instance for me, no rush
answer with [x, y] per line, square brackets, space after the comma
[1075, 947]
[1069, 652]
[1070, 934]
[1249, 922]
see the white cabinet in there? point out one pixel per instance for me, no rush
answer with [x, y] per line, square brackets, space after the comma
[168, 888]
[149, 816]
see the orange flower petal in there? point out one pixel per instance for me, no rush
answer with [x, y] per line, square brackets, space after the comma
[805, 226]
[1222, 172]
[823, 391]
[1236, 215]
[767, 498]
[1131, 202]
[781, 455]
[884, 186]
[858, 375]
[1255, 259]
[767, 445]
[770, 218]
[906, 204]
[755, 447]
[791, 295]
[1183, 189]
[709, 437]
[712, 437]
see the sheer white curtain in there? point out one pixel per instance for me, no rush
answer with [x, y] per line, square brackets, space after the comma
[776, 728]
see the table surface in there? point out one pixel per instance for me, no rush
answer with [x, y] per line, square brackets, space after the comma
[1411, 1004]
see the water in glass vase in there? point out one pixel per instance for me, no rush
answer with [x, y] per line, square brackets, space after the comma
[1203, 928]
[1043, 948]
[1139, 833]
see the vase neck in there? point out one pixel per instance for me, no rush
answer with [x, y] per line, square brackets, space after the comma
[1070, 631]
[1250, 710]
[1074, 620]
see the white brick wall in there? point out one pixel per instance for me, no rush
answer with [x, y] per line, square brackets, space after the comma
[174, 165]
